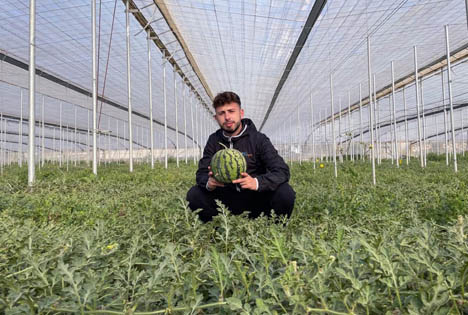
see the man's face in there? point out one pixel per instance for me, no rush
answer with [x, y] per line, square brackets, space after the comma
[229, 117]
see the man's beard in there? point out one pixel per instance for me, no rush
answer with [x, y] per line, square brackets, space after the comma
[236, 127]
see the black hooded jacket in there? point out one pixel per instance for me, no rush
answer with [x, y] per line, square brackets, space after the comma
[263, 161]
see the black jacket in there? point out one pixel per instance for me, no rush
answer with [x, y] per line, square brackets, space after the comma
[263, 161]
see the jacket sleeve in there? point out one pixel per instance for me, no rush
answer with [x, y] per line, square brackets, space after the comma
[277, 171]
[208, 152]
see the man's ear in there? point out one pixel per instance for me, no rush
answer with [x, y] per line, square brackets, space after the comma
[242, 113]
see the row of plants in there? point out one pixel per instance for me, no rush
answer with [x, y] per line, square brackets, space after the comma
[124, 243]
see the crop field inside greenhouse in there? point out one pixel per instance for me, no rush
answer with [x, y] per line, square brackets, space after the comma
[234, 157]
[127, 243]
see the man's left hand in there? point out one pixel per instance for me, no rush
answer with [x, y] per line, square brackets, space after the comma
[246, 182]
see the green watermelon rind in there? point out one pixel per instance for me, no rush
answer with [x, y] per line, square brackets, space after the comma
[231, 169]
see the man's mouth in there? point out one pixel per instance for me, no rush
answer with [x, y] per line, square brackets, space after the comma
[229, 124]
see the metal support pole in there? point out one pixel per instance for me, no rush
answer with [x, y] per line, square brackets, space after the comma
[108, 140]
[74, 144]
[165, 112]
[53, 145]
[371, 118]
[299, 135]
[290, 140]
[42, 134]
[423, 124]
[87, 141]
[350, 133]
[150, 89]
[2, 145]
[406, 127]
[193, 131]
[449, 78]
[197, 130]
[117, 140]
[93, 18]
[129, 88]
[339, 131]
[377, 123]
[360, 121]
[416, 80]
[395, 148]
[312, 128]
[20, 137]
[333, 125]
[176, 118]
[32, 90]
[185, 125]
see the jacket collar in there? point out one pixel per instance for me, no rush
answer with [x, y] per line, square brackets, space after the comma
[248, 127]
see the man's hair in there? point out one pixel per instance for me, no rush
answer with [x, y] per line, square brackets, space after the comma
[226, 98]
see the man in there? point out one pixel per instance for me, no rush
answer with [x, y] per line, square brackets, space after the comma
[265, 184]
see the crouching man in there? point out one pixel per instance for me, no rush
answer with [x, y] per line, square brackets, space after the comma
[265, 184]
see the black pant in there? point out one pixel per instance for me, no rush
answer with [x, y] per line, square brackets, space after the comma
[281, 200]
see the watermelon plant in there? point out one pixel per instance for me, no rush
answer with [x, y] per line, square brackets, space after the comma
[127, 244]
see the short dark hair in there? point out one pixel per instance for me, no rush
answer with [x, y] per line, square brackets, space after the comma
[226, 98]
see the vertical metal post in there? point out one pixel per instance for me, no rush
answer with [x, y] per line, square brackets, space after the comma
[371, 118]
[395, 148]
[2, 145]
[117, 140]
[176, 118]
[196, 131]
[392, 153]
[136, 139]
[74, 142]
[87, 140]
[350, 133]
[406, 126]
[93, 18]
[32, 89]
[20, 137]
[165, 112]
[449, 78]
[185, 125]
[42, 134]
[67, 142]
[290, 140]
[462, 133]
[377, 123]
[312, 128]
[360, 121]
[129, 88]
[333, 125]
[437, 133]
[299, 135]
[150, 89]
[53, 145]
[108, 140]
[193, 130]
[423, 124]
[416, 82]
[339, 131]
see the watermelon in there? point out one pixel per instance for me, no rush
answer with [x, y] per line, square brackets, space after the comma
[227, 165]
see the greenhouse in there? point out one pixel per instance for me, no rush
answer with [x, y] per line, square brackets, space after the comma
[107, 112]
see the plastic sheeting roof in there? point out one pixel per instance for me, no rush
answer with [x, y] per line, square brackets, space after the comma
[239, 45]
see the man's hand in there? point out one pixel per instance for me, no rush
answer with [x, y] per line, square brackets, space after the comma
[212, 182]
[246, 182]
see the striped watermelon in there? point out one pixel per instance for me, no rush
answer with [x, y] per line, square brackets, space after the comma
[227, 165]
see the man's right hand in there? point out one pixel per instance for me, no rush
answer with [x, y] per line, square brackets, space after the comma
[212, 182]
